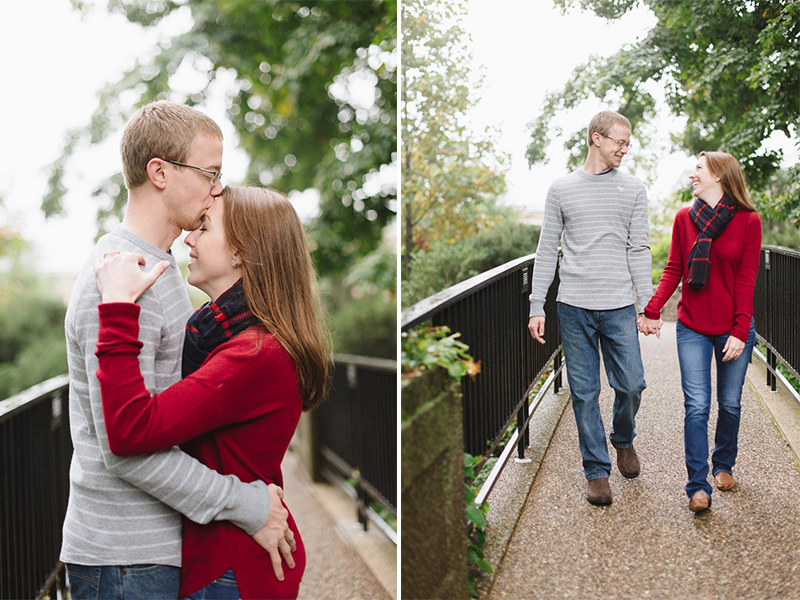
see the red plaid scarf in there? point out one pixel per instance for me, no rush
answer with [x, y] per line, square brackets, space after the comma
[213, 324]
[711, 222]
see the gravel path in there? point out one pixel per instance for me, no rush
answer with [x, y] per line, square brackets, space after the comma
[647, 544]
[334, 570]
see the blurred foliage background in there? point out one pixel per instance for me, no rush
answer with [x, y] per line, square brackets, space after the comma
[727, 71]
[453, 224]
[32, 341]
[314, 105]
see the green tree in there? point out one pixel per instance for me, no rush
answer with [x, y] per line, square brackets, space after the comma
[32, 343]
[366, 323]
[730, 67]
[446, 264]
[450, 174]
[296, 65]
[11, 243]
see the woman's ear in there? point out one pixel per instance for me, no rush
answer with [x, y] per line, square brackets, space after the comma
[156, 173]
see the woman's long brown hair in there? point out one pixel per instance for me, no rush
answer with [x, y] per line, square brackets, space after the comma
[279, 280]
[727, 168]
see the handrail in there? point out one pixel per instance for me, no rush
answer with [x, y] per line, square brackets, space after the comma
[490, 312]
[356, 431]
[777, 309]
[35, 450]
[424, 309]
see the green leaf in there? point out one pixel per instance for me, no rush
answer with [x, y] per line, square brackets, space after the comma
[485, 565]
[476, 516]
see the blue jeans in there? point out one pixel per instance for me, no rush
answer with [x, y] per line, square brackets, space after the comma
[222, 588]
[695, 351]
[617, 335]
[148, 582]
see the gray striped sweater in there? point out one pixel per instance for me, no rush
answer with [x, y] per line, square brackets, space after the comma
[126, 511]
[601, 222]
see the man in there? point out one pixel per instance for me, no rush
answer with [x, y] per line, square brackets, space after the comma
[122, 531]
[600, 216]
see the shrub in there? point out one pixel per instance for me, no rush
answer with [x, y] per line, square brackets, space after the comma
[446, 264]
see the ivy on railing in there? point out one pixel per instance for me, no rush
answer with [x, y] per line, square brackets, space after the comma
[424, 348]
[476, 524]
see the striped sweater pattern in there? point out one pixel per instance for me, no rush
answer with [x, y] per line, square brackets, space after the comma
[127, 511]
[601, 223]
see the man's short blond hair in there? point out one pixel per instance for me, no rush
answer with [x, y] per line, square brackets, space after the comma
[602, 123]
[161, 129]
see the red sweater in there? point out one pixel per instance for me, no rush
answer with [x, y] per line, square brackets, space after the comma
[725, 304]
[236, 414]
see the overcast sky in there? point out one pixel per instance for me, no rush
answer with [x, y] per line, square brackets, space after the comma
[528, 48]
[54, 62]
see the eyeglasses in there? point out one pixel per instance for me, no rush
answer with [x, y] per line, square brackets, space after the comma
[620, 143]
[215, 175]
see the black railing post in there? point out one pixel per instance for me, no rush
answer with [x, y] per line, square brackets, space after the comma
[556, 367]
[356, 431]
[522, 429]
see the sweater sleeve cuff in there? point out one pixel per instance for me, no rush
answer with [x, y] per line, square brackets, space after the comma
[250, 510]
[537, 308]
[653, 315]
[741, 330]
[119, 323]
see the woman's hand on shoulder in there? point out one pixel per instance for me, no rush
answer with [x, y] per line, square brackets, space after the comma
[120, 278]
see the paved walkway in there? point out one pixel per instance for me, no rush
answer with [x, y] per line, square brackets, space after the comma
[342, 561]
[647, 544]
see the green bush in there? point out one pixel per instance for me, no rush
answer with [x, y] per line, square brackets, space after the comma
[446, 264]
[24, 317]
[40, 360]
[32, 342]
[366, 327]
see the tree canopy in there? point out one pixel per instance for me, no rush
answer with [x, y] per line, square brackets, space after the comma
[448, 171]
[731, 68]
[296, 66]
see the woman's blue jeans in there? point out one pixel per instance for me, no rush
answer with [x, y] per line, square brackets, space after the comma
[616, 334]
[695, 351]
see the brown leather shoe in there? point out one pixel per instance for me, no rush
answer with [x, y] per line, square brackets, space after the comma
[627, 461]
[599, 492]
[724, 481]
[699, 502]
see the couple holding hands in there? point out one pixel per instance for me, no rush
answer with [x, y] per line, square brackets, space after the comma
[599, 215]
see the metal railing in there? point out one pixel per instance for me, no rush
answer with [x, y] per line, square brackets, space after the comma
[777, 309]
[356, 434]
[490, 311]
[35, 452]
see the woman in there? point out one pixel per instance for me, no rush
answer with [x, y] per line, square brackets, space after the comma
[254, 358]
[715, 249]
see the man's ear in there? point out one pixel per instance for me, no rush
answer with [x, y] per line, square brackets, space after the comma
[596, 140]
[156, 173]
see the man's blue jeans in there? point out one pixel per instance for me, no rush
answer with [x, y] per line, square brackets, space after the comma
[695, 351]
[617, 335]
[146, 582]
[222, 588]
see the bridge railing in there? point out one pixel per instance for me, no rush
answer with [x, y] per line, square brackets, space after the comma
[356, 434]
[777, 309]
[35, 452]
[490, 311]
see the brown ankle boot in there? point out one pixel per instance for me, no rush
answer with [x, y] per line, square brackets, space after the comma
[599, 492]
[627, 461]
